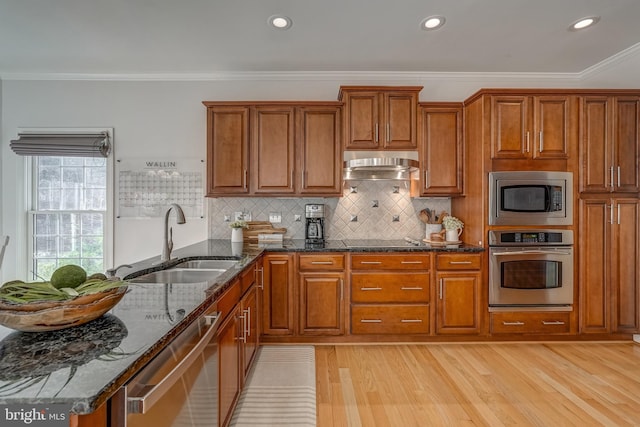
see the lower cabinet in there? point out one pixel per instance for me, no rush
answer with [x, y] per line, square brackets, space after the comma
[238, 340]
[229, 366]
[530, 322]
[609, 265]
[458, 281]
[321, 294]
[278, 295]
[390, 293]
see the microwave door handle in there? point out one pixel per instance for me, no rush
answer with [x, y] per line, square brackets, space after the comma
[141, 404]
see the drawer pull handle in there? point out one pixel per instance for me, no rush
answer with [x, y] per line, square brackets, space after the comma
[322, 262]
[407, 288]
[370, 321]
[513, 323]
[370, 262]
[370, 289]
[460, 262]
[410, 262]
[552, 322]
[411, 321]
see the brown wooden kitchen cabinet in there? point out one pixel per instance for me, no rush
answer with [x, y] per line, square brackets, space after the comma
[610, 145]
[250, 333]
[320, 150]
[227, 150]
[229, 363]
[390, 293]
[321, 294]
[277, 299]
[272, 160]
[532, 127]
[458, 282]
[380, 117]
[441, 149]
[274, 149]
[610, 265]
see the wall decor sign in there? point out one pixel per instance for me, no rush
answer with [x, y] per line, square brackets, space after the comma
[147, 186]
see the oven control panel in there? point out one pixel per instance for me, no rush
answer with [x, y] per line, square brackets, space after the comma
[530, 237]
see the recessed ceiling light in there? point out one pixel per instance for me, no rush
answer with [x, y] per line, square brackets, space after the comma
[432, 22]
[583, 23]
[280, 22]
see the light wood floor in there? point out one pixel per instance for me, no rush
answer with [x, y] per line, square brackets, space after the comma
[479, 384]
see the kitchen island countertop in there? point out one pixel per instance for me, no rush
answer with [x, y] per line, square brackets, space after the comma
[83, 366]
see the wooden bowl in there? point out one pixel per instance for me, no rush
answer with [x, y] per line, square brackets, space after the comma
[54, 315]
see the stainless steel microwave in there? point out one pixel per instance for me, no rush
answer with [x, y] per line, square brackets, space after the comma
[530, 198]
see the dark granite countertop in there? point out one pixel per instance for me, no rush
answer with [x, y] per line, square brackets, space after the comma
[85, 365]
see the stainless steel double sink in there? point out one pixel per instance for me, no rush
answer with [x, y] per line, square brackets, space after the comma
[194, 271]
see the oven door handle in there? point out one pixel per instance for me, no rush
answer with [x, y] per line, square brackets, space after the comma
[531, 252]
[141, 404]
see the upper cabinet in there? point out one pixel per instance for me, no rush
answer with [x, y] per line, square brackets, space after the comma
[610, 143]
[380, 117]
[532, 127]
[274, 149]
[227, 150]
[441, 149]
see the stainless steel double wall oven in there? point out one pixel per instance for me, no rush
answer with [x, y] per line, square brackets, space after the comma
[532, 265]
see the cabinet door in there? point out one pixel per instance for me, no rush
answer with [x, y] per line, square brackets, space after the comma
[626, 143]
[227, 150]
[626, 265]
[272, 150]
[458, 303]
[362, 110]
[510, 138]
[440, 137]
[277, 295]
[595, 258]
[251, 329]
[229, 366]
[321, 304]
[320, 151]
[553, 131]
[400, 117]
[595, 146]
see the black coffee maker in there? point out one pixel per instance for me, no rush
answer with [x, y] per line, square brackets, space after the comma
[314, 228]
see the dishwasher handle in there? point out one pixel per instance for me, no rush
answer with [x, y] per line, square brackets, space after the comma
[141, 404]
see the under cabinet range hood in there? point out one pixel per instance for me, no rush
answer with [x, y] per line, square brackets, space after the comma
[383, 165]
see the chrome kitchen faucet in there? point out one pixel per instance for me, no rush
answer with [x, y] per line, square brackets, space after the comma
[168, 232]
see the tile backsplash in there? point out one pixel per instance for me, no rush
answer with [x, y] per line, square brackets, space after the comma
[367, 210]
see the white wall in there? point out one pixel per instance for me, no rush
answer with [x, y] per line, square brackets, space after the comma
[167, 119]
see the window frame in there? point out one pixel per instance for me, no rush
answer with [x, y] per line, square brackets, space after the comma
[31, 201]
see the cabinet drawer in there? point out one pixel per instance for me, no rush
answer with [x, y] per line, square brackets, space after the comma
[333, 262]
[229, 299]
[390, 287]
[390, 319]
[458, 261]
[530, 322]
[248, 278]
[382, 261]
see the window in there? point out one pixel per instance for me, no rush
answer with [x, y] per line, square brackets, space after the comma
[69, 216]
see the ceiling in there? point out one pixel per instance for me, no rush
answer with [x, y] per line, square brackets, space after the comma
[225, 36]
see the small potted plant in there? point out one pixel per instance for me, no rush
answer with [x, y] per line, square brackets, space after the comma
[236, 230]
[453, 227]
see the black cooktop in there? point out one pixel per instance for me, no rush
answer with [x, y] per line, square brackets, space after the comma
[379, 243]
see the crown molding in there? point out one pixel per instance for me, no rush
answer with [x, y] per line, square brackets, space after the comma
[610, 62]
[400, 76]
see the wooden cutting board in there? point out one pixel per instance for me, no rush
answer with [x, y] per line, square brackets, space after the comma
[250, 234]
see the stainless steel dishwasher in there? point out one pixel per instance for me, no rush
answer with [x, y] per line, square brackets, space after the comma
[179, 387]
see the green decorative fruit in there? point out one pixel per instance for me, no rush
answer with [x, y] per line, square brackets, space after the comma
[68, 276]
[98, 276]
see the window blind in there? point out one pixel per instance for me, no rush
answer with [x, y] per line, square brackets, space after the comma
[62, 144]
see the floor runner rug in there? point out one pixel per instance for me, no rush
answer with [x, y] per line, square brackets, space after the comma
[281, 390]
